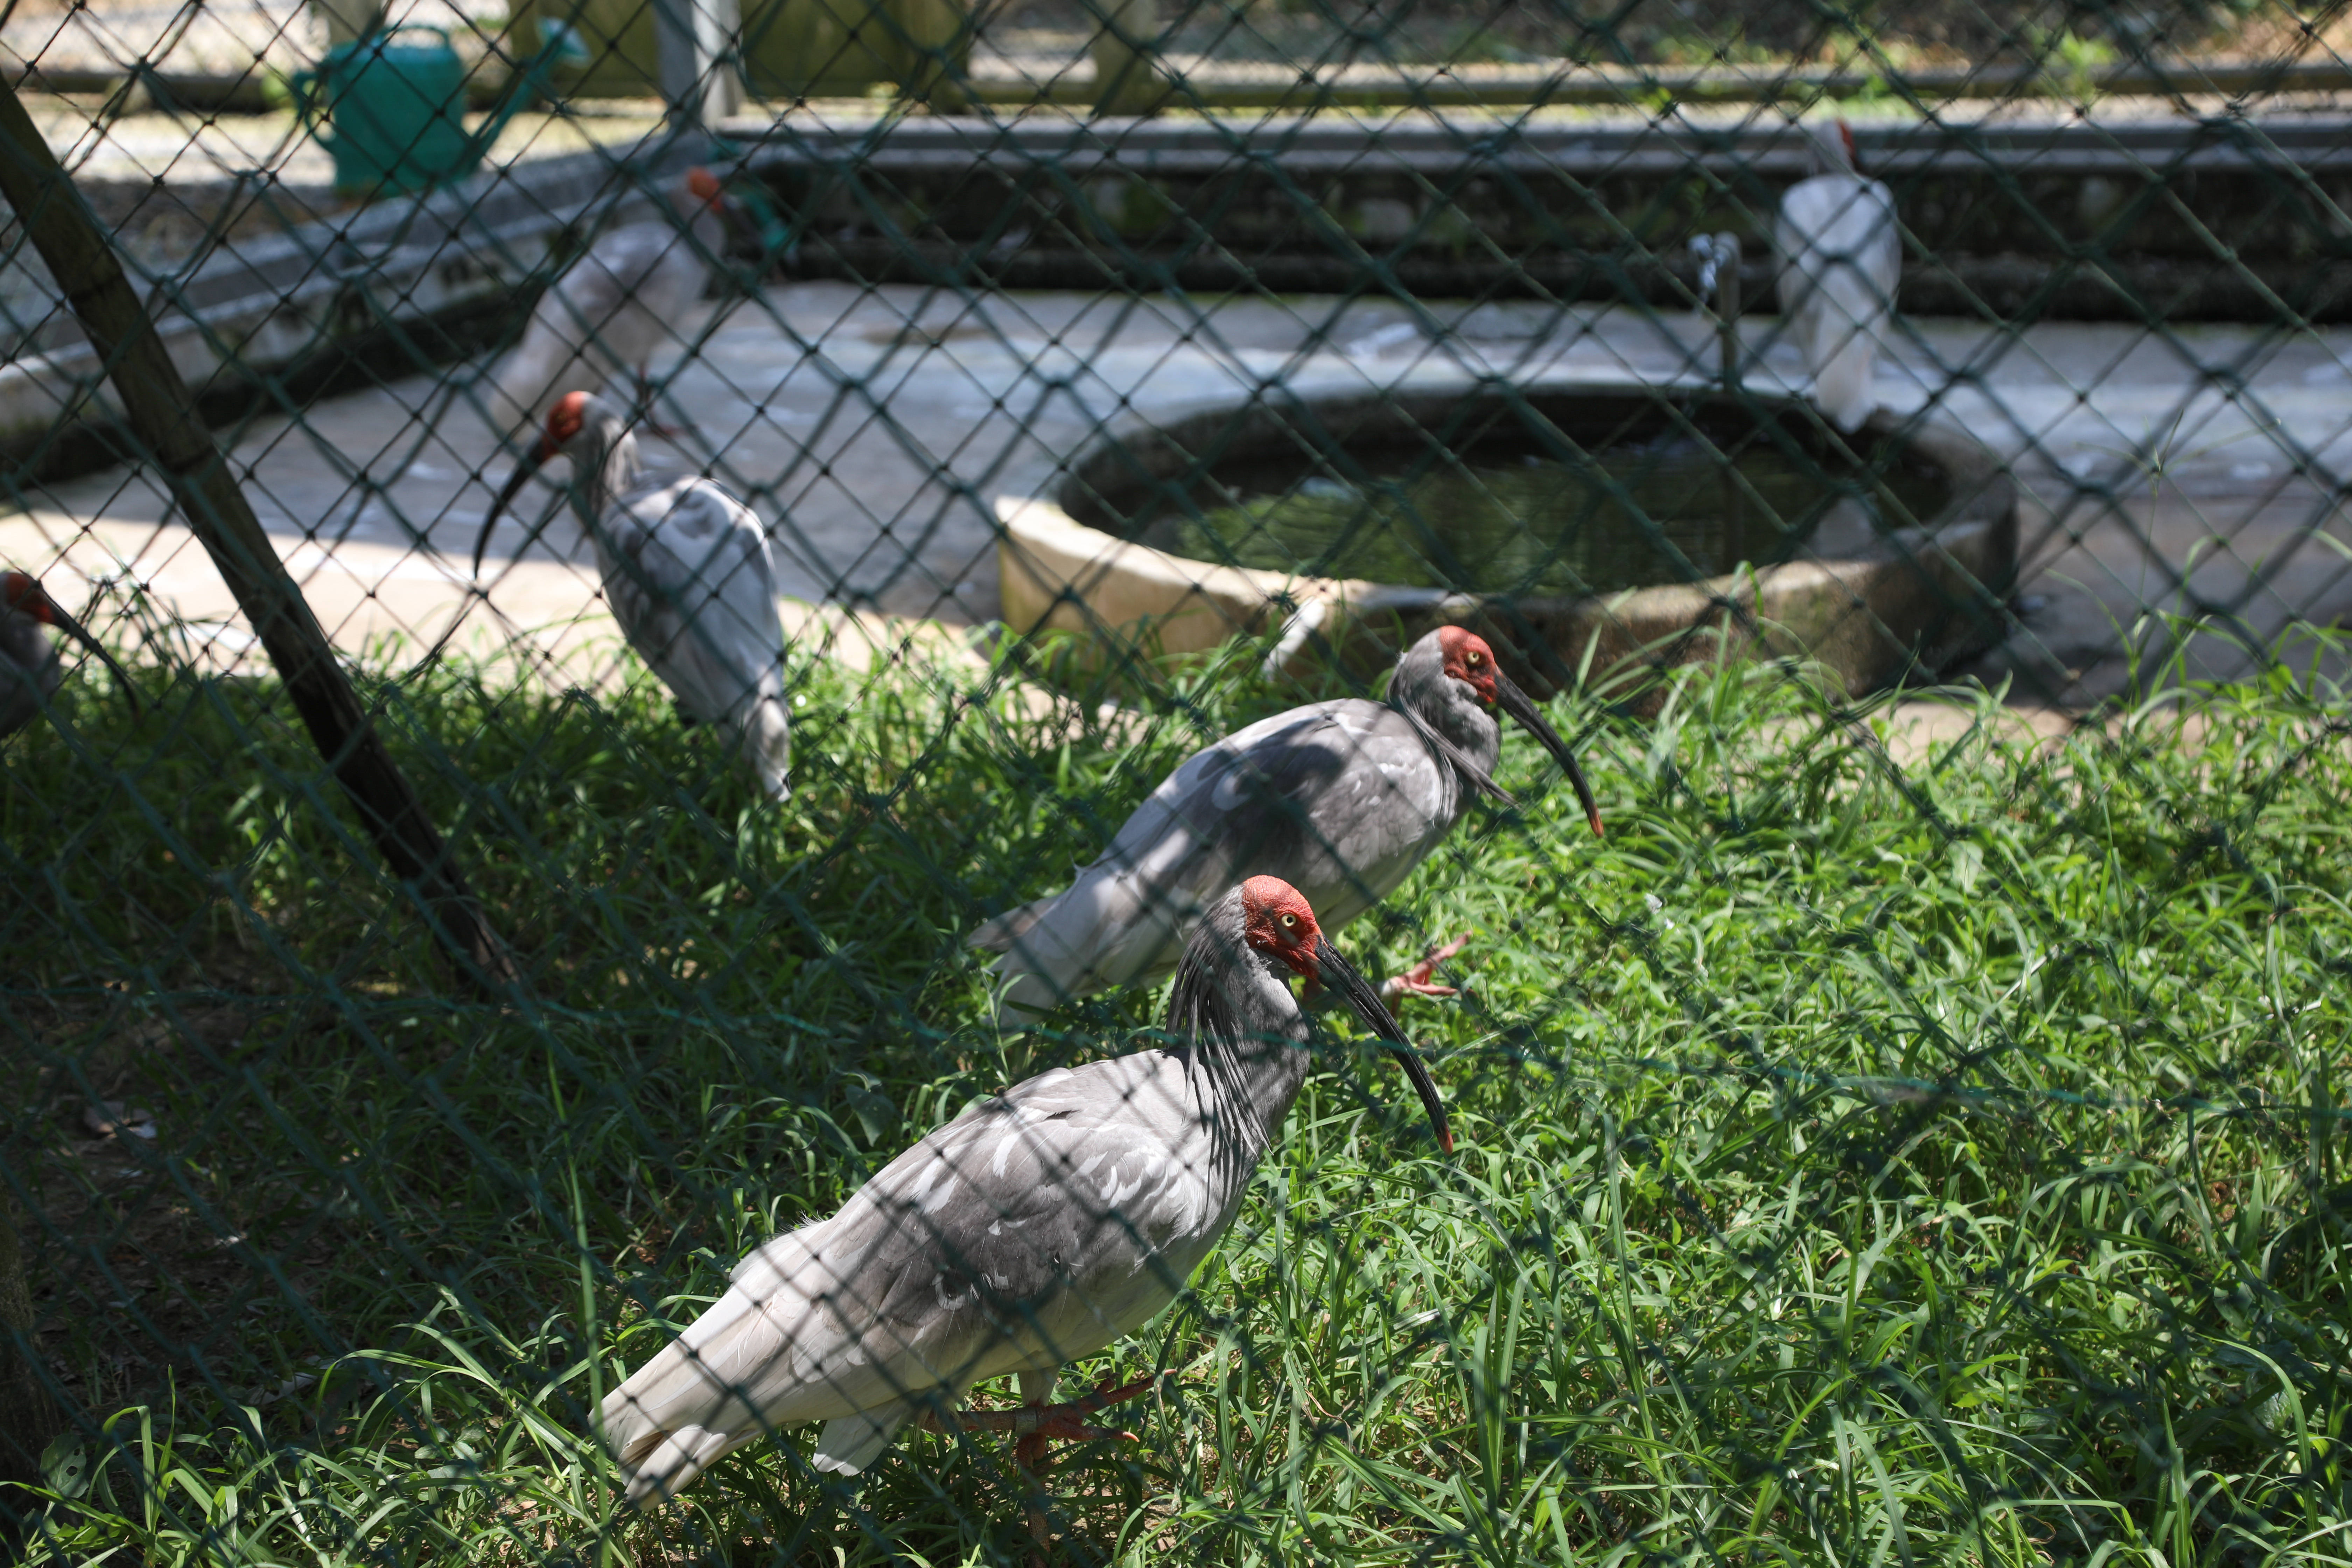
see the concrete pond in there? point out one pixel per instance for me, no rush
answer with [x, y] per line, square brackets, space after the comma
[882, 432]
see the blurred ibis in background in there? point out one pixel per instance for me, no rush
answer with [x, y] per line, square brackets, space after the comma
[687, 572]
[30, 671]
[1840, 259]
[628, 297]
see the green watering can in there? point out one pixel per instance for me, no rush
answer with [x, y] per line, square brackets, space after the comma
[396, 100]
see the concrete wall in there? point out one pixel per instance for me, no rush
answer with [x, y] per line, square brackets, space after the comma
[2068, 222]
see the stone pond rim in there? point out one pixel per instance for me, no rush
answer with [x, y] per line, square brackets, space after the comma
[1873, 611]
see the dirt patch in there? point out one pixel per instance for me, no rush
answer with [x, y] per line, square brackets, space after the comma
[145, 1248]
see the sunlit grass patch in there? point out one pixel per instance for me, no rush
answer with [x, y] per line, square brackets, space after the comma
[1861, 1157]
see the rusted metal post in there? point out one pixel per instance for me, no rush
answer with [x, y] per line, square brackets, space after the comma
[692, 39]
[1726, 323]
[1727, 306]
[1718, 291]
[162, 415]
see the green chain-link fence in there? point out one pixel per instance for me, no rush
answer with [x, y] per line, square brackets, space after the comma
[1908, 1133]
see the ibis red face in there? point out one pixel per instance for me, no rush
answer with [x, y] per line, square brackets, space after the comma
[1469, 660]
[563, 422]
[1277, 922]
[704, 184]
[21, 593]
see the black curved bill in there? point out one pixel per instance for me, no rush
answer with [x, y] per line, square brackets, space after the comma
[1518, 704]
[1340, 975]
[73, 628]
[538, 455]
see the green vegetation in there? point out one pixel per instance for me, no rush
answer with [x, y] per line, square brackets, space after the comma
[1859, 1163]
[1755, 34]
[1625, 516]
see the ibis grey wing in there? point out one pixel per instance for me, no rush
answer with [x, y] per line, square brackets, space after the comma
[1125, 916]
[1037, 1227]
[1341, 802]
[693, 585]
[1339, 799]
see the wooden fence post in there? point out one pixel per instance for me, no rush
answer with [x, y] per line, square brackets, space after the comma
[160, 411]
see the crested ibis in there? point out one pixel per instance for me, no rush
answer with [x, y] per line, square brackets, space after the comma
[687, 572]
[1341, 799]
[1040, 1225]
[30, 671]
[1840, 257]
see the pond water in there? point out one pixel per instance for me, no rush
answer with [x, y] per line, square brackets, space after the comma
[1626, 516]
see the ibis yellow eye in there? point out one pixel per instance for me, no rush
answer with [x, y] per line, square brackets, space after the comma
[1290, 920]
[1471, 661]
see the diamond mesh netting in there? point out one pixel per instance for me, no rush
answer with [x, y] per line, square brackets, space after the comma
[840, 781]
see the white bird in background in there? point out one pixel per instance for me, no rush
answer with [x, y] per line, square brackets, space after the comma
[1840, 257]
[612, 309]
[688, 575]
[1039, 1226]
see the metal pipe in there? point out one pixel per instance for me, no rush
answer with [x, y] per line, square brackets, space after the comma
[1718, 291]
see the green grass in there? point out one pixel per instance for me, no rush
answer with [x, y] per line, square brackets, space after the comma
[1858, 1164]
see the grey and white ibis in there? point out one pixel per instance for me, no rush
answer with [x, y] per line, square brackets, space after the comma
[1040, 1225]
[1341, 799]
[625, 299]
[30, 671]
[1839, 258]
[687, 572]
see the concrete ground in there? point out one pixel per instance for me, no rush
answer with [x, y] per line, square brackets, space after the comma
[877, 429]
[254, 151]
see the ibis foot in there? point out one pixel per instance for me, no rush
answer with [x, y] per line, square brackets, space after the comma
[1420, 979]
[1041, 1424]
[1037, 1424]
[1028, 1455]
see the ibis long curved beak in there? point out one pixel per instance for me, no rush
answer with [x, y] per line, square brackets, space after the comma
[538, 454]
[1340, 975]
[1521, 707]
[49, 613]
